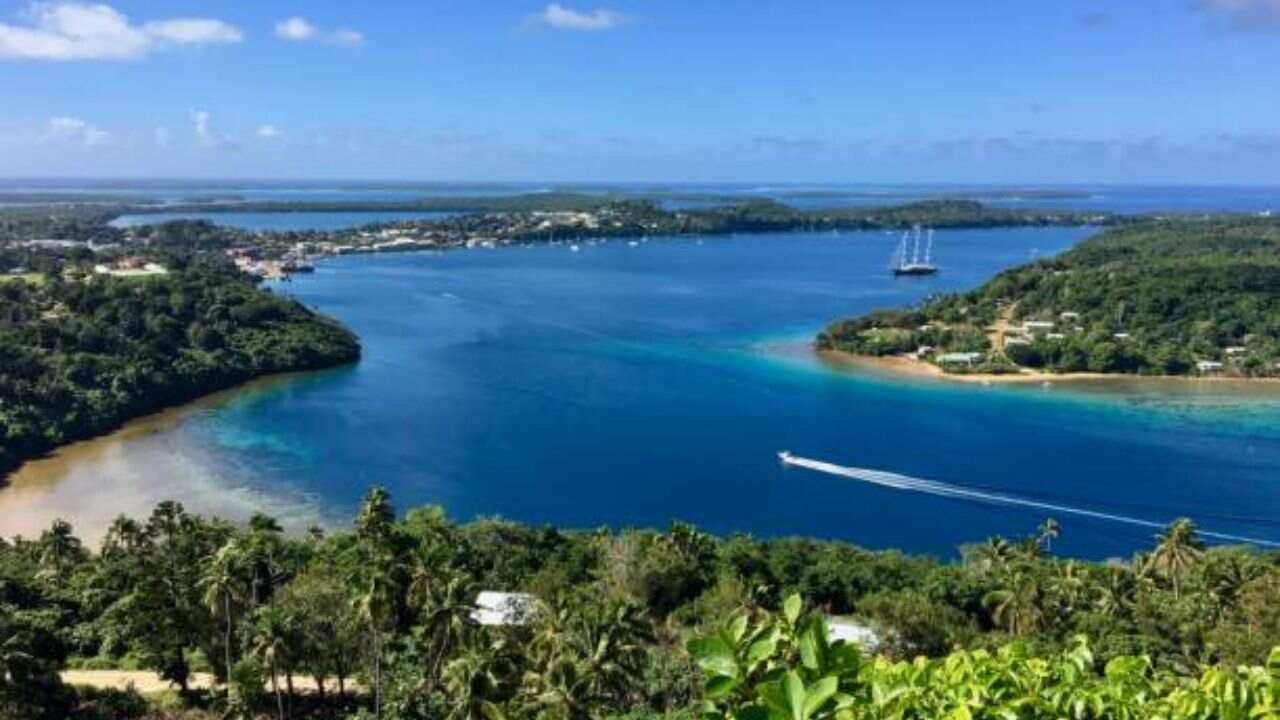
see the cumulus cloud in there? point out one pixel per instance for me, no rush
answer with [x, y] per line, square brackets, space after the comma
[299, 29]
[81, 31]
[206, 135]
[70, 130]
[560, 17]
[1254, 15]
[269, 132]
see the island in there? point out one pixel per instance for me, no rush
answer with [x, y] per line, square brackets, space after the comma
[90, 340]
[1171, 297]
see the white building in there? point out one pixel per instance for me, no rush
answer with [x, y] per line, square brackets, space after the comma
[504, 609]
[853, 633]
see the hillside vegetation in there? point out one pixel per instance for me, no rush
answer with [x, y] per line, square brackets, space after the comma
[637, 624]
[81, 352]
[1160, 297]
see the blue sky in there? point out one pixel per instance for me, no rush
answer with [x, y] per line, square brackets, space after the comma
[645, 90]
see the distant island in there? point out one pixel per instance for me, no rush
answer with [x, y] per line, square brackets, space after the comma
[1162, 297]
[86, 344]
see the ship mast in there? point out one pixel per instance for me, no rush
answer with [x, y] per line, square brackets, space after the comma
[928, 248]
[915, 252]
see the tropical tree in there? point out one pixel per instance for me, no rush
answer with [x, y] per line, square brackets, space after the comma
[1016, 608]
[1178, 549]
[223, 584]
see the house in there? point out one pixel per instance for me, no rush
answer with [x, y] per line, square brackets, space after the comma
[1016, 340]
[852, 632]
[1208, 366]
[1235, 351]
[1069, 315]
[1120, 336]
[1055, 336]
[503, 609]
[968, 359]
[1033, 327]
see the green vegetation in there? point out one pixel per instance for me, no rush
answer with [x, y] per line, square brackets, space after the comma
[1153, 298]
[635, 624]
[81, 353]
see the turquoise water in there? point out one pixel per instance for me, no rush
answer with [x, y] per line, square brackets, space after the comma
[284, 221]
[629, 385]
[634, 385]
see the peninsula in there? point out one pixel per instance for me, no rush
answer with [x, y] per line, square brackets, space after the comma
[1162, 297]
[88, 342]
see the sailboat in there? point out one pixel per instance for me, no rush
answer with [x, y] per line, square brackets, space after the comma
[915, 265]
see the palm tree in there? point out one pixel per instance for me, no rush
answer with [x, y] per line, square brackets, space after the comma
[1017, 607]
[59, 549]
[270, 645]
[1049, 531]
[375, 607]
[1177, 550]
[478, 680]
[221, 582]
[1115, 595]
[994, 554]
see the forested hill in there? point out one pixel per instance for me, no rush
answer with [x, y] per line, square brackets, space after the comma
[81, 352]
[632, 625]
[1162, 297]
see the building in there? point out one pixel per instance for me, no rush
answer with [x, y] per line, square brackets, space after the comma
[1209, 366]
[853, 633]
[967, 359]
[1034, 327]
[502, 609]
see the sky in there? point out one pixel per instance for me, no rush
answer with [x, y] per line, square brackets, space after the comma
[875, 91]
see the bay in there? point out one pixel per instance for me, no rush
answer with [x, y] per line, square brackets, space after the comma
[634, 385]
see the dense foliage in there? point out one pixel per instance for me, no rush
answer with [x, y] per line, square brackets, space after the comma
[785, 667]
[379, 619]
[1153, 298]
[80, 353]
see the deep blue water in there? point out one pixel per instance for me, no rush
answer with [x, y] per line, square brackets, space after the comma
[633, 385]
[284, 221]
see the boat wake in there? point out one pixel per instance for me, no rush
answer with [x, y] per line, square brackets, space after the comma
[933, 487]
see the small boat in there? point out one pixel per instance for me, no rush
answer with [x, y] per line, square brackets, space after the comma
[784, 455]
[633, 243]
[574, 248]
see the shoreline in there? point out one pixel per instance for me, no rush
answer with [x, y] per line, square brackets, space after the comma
[64, 482]
[904, 366]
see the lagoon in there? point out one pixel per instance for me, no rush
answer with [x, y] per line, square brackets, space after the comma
[627, 385]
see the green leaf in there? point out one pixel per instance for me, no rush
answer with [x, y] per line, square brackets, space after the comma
[762, 649]
[794, 687]
[791, 608]
[737, 628]
[719, 686]
[818, 693]
[714, 656]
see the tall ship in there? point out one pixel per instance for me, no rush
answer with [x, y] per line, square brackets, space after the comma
[912, 263]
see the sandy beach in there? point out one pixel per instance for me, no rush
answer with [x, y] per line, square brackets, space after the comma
[130, 470]
[910, 367]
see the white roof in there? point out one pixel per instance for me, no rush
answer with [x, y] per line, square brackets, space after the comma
[502, 608]
[852, 632]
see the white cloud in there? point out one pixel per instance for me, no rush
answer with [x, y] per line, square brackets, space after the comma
[295, 28]
[81, 31]
[560, 17]
[206, 135]
[63, 129]
[1260, 15]
[269, 132]
[298, 29]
